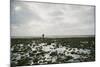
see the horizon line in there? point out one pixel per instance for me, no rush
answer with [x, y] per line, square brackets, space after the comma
[53, 36]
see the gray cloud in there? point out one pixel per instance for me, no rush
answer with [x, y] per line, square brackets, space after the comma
[33, 19]
[24, 14]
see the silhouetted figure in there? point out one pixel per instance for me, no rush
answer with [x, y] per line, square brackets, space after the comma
[43, 37]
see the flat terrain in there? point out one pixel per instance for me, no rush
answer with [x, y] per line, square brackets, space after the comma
[36, 51]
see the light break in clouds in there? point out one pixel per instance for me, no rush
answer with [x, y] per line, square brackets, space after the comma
[35, 18]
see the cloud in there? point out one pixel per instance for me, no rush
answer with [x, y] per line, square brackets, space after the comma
[33, 19]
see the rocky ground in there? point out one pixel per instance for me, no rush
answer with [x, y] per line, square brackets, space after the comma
[36, 52]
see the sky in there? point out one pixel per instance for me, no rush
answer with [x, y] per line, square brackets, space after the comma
[36, 18]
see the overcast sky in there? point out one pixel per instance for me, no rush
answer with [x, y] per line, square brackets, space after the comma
[34, 19]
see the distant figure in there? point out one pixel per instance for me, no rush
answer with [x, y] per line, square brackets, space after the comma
[43, 36]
